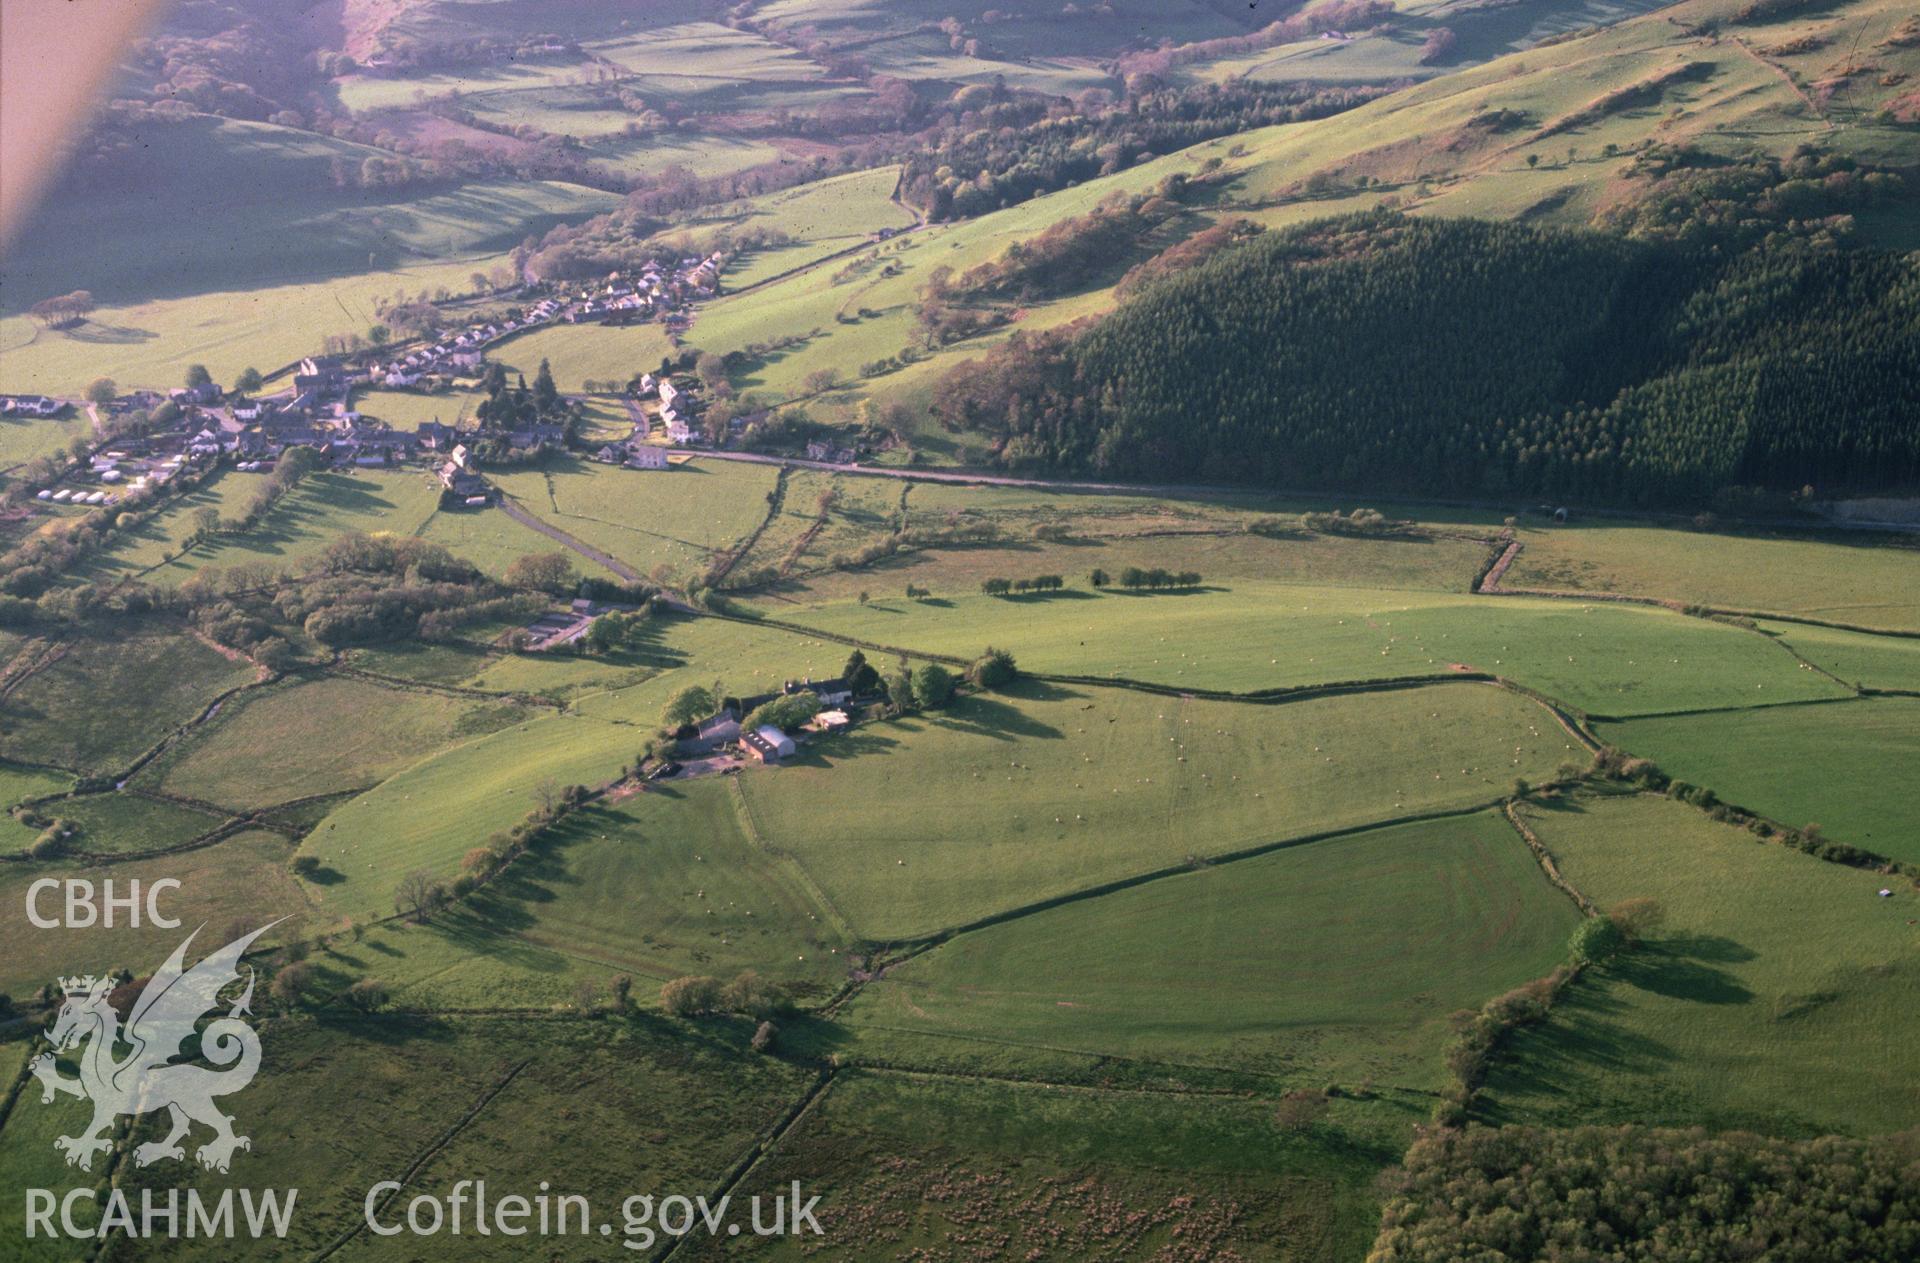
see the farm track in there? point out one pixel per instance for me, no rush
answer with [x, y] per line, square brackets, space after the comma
[513, 509]
[1072, 486]
[815, 895]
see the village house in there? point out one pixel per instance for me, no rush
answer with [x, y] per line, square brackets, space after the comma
[201, 396]
[460, 476]
[30, 405]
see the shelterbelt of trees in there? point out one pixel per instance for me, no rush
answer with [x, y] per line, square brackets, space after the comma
[1667, 364]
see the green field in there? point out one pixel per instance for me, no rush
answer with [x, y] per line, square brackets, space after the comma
[1826, 765]
[578, 354]
[1780, 996]
[1141, 955]
[432, 813]
[323, 507]
[20, 783]
[22, 440]
[1608, 659]
[493, 541]
[106, 699]
[243, 878]
[647, 518]
[1854, 578]
[1335, 961]
[1872, 662]
[1114, 532]
[657, 886]
[118, 823]
[1068, 788]
[409, 410]
[327, 736]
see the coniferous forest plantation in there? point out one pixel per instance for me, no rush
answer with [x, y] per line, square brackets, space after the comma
[932, 631]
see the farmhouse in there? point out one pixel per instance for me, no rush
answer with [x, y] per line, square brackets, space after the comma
[32, 405]
[830, 692]
[767, 744]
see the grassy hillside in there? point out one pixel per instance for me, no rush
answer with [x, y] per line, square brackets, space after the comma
[1270, 963]
[1779, 995]
[211, 205]
[1800, 765]
[1068, 788]
[1242, 636]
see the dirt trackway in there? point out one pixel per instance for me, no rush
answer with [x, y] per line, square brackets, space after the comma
[513, 510]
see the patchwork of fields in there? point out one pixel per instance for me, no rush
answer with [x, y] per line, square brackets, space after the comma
[1165, 947]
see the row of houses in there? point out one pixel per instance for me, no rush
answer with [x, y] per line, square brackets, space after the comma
[655, 289]
[30, 406]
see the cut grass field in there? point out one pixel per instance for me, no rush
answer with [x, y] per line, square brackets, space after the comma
[243, 878]
[1337, 961]
[1242, 636]
[656, 886]
[910, 1167]
[1859, 578]
[1834, 766]
[323, 736]
[1780, 995]
[1069, 788]
[109, 697]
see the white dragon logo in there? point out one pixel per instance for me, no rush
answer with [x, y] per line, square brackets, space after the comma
[147, 1079]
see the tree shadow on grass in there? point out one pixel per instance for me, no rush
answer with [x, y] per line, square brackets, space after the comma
[989, 717]
[109, 335]
[1686, 968]
[1061, 594]
[842, 748]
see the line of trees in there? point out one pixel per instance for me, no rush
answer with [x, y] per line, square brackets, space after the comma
[1134, 578]
[1038, 583]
